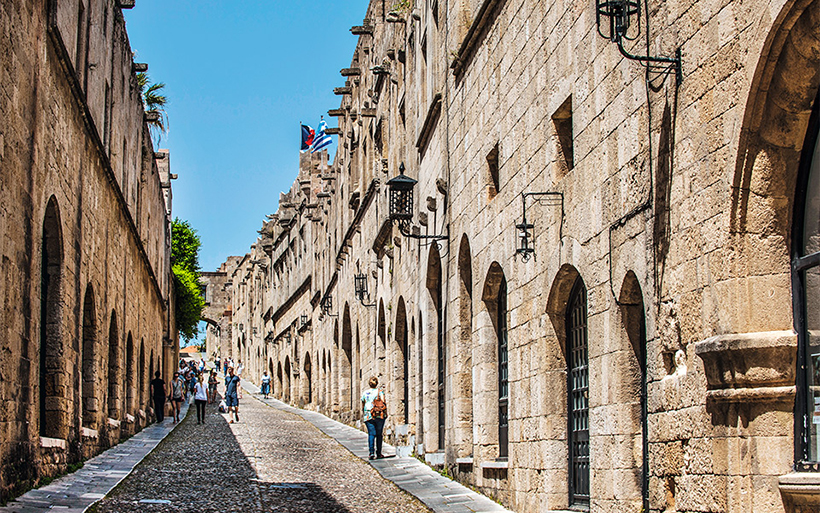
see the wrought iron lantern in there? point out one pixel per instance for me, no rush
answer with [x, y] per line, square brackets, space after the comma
[525, 234]
[327, 306]
[401, 204]
[241, 327]
[360, 282]
[619, 21]
[525, 230]
[303, 320]
[401, 196]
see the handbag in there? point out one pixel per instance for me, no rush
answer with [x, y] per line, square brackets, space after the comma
[379, 409]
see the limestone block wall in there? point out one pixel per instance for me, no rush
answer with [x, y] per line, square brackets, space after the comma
[84, 228]
[661, 225]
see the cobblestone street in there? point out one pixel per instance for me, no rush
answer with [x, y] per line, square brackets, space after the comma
[270, 461]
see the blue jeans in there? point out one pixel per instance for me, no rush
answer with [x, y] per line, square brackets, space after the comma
[374, 436]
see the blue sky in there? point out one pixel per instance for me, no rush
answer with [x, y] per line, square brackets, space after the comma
[240, 76]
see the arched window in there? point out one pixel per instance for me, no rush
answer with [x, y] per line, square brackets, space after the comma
[578, 394]
[503, 373]
[806, 286]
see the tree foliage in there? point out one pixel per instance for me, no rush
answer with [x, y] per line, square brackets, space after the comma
[185, 244]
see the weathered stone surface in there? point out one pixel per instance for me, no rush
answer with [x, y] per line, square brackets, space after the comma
[673, 208]
[83, 325]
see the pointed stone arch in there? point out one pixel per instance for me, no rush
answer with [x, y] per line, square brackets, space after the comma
[346, 363]
[286, 384]
[308, 381]
[380, 350]
[53, 417]
[89, 365]
[784, 88]
[141, 388]
[280, 381]
[463, 357]
[494, 345]
[113, 381]
[401, 364]
[631, 371]
[130, 375]
[438, 365]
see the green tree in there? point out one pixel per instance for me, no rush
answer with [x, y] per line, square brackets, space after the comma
[185, 244]
[155, 102]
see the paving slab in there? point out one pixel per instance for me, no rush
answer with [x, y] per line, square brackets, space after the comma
[76, 492]
[437, 492]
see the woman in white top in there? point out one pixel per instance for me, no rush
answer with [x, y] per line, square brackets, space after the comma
[201, 399]
[375, 413]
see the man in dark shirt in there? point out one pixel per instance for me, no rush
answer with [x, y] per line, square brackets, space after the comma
[158, 394]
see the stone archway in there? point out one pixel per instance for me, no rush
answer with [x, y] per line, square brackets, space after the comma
[53, 418]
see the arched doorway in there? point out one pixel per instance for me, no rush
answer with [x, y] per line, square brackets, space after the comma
[401, 363]
[633, 317]
[114, 379]
[89, 361]
[494, 296]
[286, 384]
[308, 392]
[346, 364]
[463, 357]
[130, 377]
[435, 288]
[53, 407]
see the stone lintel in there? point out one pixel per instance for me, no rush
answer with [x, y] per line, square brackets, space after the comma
[53, 443]
[495, 464]
[90, 433]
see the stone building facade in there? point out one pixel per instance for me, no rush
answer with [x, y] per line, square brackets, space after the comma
[85, 209]
[652, 345]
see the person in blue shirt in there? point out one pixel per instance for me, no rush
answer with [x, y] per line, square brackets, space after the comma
[232, 394]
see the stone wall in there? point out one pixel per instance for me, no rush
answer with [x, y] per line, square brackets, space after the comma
[85, 239]
[661, 252]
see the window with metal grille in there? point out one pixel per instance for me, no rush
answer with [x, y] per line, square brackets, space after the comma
[806, 294]
[578, 387]
[503, 374]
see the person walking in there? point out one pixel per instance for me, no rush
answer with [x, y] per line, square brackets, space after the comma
[232, 384]
[212, 382]
[375, 413]
[158, 394]
[177, 395]
[265, 384]
[201, 398]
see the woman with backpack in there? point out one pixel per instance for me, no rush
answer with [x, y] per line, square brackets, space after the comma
[375, 413]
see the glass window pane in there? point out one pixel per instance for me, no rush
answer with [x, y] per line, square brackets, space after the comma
[812, 282]
[811, 221]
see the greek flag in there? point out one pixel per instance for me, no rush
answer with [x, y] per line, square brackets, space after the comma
[322, 139]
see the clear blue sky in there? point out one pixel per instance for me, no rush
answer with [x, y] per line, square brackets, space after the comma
[240, 76]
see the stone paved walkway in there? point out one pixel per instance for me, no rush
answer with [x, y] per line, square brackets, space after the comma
[75, 492]
[436, 491]
[271, 460]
